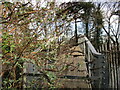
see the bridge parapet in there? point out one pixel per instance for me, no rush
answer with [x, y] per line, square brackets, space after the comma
[96, 63]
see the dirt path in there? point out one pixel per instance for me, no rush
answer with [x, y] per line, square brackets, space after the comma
[75, 77]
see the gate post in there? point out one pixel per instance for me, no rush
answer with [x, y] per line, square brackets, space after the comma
[105, 73]
[99, 70]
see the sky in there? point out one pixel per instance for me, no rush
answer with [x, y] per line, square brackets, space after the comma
[113, 18]
[63, 0]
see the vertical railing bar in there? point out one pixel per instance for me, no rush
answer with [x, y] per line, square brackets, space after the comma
[116, 67]
[109, 63]
[113, 69]
[119, 66]
[110, 68]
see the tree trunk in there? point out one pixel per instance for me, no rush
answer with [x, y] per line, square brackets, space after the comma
[76, 37]
[86, 26]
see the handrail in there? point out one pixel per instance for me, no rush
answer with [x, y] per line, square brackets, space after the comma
[90, 46]
[96, 65]
[98, 77]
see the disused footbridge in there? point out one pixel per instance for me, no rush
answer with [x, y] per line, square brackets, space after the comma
[92, 70]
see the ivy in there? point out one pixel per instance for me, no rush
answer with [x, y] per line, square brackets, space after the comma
[27, 37]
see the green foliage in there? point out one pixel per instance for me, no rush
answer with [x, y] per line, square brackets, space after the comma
[7, 46]
[27, 37]
[98, 22]
[30, 35]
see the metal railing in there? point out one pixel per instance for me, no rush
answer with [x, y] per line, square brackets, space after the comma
[112, 54]
[96, 64]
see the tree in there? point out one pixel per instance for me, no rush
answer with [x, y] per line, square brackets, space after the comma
[97, 24]
[111, 26]
[111, 9]
[30, 35]
[74, 9]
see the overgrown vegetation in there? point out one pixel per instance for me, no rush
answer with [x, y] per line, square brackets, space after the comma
[30, 35]
[34, 34]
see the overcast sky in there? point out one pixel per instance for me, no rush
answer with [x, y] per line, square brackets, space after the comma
[60, 1]
[63, 0]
